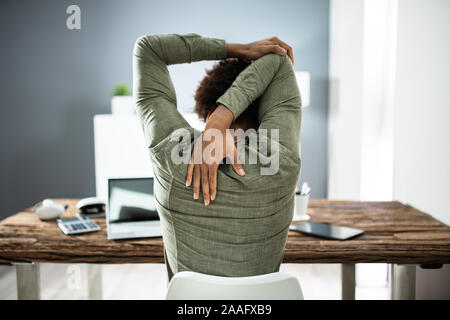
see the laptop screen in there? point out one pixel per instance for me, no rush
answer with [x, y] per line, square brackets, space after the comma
[131, 200]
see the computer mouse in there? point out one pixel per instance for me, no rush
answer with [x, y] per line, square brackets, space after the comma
[49, 210]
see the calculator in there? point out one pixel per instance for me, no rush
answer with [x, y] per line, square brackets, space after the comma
[77, 225]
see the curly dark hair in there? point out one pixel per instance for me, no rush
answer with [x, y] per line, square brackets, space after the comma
[216, 81]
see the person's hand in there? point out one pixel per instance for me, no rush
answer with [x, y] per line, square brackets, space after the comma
[257, 49]
[215, 144]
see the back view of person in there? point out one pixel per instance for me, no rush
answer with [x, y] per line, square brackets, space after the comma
[239, 226]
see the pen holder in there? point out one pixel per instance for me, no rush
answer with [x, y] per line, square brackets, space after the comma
[300, 207]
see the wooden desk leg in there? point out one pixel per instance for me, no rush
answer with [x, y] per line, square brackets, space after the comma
[348, 281]
[403, 282]
[94, 281]
[28, 281]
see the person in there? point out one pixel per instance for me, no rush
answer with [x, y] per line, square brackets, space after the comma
[221, 218]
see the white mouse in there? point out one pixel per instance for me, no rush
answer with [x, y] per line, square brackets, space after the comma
[49, 210]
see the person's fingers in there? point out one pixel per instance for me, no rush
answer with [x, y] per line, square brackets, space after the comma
[237, 166]
[190, 171]
[288, 49]
[274, 48]
[285, 46]
[212, 172]
[238, 169]
[205, 183]
[196, 181]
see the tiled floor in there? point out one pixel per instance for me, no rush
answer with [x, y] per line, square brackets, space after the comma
[148, 281]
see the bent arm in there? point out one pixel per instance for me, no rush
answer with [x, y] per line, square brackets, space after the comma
[153, 90]
[271, 78]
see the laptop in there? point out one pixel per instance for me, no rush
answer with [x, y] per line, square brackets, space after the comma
[131, 209]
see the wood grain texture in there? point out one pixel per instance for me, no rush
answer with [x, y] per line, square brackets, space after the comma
[394, 233]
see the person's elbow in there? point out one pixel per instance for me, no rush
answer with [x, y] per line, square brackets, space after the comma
[140, 46]
[271, 63]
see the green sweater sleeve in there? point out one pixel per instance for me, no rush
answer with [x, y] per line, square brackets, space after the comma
[272, 79]
[153, 90]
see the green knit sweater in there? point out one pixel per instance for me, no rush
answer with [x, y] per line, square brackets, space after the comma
[243, 231]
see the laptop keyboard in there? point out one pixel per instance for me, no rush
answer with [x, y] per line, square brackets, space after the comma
[135, 227]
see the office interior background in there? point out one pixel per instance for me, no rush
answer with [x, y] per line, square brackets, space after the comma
[376, 127]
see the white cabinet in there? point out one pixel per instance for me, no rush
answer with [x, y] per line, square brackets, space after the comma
[120, 150]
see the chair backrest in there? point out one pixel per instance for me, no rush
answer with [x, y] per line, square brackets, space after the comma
[189, 285]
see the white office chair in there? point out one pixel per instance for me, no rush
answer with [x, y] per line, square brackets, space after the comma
[188, 285]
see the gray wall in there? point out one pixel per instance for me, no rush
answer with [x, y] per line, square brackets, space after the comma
[54, 80]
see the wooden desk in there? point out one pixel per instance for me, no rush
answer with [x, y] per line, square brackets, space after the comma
[394, 233]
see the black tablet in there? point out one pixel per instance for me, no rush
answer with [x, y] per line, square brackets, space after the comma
[326, 231]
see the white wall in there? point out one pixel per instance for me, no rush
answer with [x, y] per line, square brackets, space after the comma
[380, 17]
[362, 56]
[422, 107]
[422, 121]
[345, 99]
[389, 125]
